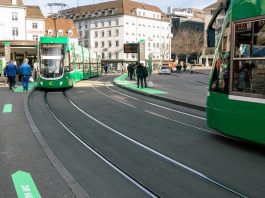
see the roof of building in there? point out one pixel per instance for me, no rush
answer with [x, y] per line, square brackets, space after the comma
[34, 12]
[121, 7]
[9, 2]
[63, 24]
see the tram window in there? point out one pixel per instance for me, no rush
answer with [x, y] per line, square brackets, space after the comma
[259, 39]
[243, 39]
[220, 82]
[249, 77]
[66, 62]
[220, 79]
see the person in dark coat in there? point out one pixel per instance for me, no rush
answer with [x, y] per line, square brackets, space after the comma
[140, 75]
[145, 75]
[106, 68]
[25, 71]
[11, 72]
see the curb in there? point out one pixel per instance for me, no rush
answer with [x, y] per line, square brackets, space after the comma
[197, 107]
[77, 190]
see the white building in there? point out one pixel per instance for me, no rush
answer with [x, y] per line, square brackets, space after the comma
[106, 27]
[21, 26]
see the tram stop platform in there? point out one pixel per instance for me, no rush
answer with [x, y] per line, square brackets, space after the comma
[176, 92]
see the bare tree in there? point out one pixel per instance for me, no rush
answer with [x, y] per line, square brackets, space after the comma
[187, 42]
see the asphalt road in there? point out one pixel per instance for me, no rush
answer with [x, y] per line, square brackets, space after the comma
[120, 144]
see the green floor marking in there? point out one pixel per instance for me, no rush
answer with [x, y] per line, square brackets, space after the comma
[121, 80]
[20, 88]
[24, 185]
[7, 108]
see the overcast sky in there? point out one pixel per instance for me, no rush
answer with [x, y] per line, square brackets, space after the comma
[163, 4]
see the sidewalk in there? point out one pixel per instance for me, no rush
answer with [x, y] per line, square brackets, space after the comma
[20, 151]
[177, 91]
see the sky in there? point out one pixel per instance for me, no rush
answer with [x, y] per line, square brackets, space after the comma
[162, 4]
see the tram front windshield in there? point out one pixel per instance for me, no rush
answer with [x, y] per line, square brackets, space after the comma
[51, 59]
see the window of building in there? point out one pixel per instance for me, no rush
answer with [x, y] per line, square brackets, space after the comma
[60, 33]
[109, 23]
[117, 22]
[103, 55]
[102, 44]
[109, 55]
[102, 34]
[96, 24]
[96, 44]
[117, 55]
[117, 43]
[50, 32]
[70, 33]
[109, 32]
[34, 25]
[14, 16]
[109, 43]
[87, 44]
[14, 31]
[96, 34]
[102, 23]
[35, 37]
[117, 32]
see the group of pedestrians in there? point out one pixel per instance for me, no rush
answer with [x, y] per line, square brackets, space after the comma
[11, 71]
[141, 73]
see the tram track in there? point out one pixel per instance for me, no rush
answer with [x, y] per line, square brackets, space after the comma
[188, 169]
[99, 92]
[100, 156]
[165, 108]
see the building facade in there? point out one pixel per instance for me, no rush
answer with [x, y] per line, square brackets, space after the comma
[21, 26]
[106, 27]
[208, 53]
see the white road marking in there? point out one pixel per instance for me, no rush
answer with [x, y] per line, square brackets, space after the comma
[163, 107]
[114, 98]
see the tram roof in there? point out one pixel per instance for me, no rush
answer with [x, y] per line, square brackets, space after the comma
[242, 9]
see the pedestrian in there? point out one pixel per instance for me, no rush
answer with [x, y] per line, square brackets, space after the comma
[25, 71]
[140, 75]
[11, 71]
[145, 75]
[106, 68]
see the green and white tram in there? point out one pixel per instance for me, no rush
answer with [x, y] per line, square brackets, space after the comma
[61, 64]
[236, 97]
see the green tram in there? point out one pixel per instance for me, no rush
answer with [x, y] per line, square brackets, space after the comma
[61, 64]
[236, 97]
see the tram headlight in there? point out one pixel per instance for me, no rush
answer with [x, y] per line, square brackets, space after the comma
[41, 83]
[61, 83]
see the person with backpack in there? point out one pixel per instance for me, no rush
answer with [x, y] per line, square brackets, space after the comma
[11, 71]
[25, 71]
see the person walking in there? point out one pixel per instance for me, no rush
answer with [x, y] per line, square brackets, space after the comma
[106, 68]
[140, 75]
[11, 72]
[145, 75]
[25, 71]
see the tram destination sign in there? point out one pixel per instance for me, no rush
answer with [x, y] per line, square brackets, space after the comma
[131, 48]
